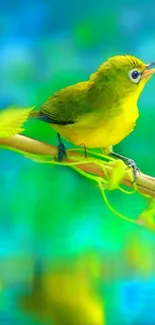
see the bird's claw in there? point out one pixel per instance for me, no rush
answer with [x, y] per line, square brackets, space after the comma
[61, 151]
[85, 149]
[135, 169]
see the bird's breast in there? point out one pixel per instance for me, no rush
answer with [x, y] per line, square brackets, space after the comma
[101, 132]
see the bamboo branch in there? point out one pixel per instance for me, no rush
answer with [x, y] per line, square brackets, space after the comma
[145, 183]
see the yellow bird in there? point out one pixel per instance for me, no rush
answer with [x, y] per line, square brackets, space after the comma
[101, 111]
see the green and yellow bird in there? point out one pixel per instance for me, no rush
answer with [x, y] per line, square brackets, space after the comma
[101, 111]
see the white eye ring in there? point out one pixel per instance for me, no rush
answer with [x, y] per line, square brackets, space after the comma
[134, 75]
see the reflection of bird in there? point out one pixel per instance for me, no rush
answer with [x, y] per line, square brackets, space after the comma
[102, 111]
[67, 294]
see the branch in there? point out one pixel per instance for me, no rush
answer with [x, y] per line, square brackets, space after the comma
[145, 183]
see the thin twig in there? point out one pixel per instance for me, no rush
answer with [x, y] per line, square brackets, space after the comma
[145, 183]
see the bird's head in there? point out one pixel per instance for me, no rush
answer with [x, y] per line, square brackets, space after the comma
[125, 75]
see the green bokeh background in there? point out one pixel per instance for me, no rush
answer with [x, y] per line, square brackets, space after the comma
[50, 214]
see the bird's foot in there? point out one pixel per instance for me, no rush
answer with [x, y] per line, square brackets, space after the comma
[61, 151]
[131, 164]
[85, 149]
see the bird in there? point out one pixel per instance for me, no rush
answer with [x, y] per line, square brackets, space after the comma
[101, 111]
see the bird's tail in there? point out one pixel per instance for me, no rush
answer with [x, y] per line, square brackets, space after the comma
[34, 114]
[40, 116]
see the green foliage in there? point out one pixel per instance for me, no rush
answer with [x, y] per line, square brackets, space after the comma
[11, 123]
[91, 31]
[147, 217]
[105, 184]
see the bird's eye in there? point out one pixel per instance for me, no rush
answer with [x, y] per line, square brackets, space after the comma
[134, 75]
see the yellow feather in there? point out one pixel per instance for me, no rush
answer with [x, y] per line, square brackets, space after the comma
[12, 120]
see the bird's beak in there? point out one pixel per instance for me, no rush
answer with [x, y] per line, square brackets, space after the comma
[148, 72]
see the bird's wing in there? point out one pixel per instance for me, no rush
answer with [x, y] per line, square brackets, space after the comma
[67, 105]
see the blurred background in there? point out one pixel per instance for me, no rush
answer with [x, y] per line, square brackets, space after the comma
[65, 259]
